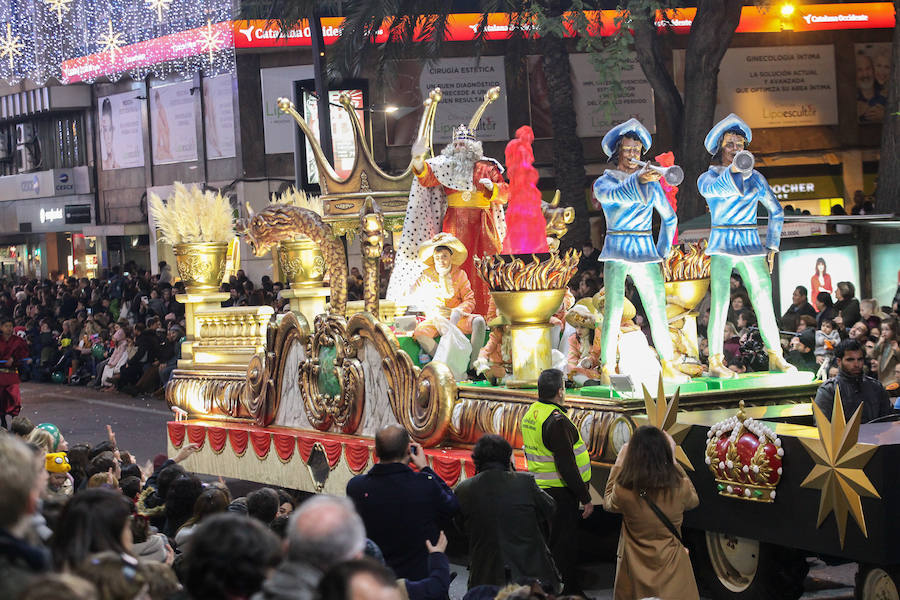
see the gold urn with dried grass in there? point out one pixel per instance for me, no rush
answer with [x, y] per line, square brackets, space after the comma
[198, 225]
[300, 260]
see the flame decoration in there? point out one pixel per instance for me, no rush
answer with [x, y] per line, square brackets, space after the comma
[689, 264]
[519, 276]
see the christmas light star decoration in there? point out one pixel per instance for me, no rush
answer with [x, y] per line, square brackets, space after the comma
[110, 41]
[60, 7]
[839, 469]
[210, 40]
[663, 415]
[159, 6]
[11, 46]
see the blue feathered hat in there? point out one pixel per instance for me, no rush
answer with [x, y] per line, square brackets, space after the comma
[715, 134]
[630, 126]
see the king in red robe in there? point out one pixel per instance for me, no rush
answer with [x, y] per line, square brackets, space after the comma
[13, 350]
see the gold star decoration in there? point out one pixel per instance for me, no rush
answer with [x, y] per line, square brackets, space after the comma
[210, 40]
[110, 41]
[159, 6]
[663, 415]
[61, 7]
[11, 46]
[838, 471]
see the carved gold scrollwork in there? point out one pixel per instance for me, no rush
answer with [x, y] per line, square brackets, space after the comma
[331, 379]
[422, 401]
[259, 387]
[597, 437]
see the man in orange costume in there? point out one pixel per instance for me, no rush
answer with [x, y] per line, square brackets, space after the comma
[460, 192]
[443, 290]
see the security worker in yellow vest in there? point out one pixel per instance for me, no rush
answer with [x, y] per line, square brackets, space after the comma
[559, 461]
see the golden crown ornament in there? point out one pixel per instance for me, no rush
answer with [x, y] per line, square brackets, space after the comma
[745, 457]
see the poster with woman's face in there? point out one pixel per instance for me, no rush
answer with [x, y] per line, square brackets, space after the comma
[121, 133]
[173, 123]
[873, 70]
[823, 267]
[218, 115]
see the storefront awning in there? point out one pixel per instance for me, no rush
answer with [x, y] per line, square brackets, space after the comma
[116, 230]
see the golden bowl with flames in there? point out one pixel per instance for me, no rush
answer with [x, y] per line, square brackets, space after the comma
[530, 307]
[686, 294]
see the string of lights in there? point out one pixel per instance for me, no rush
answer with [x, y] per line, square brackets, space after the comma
[83, 40]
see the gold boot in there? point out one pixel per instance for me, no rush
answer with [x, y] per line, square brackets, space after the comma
[671, 373]
[717, 367]
[777, 362]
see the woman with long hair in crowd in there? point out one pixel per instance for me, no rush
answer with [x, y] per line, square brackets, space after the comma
[651, 491]
[821, 280]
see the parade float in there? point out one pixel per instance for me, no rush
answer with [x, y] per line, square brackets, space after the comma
[295, 399]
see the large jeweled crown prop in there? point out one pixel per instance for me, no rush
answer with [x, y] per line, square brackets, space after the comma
[745, 457]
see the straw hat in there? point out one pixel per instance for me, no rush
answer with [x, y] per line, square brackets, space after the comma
[458, 251]
[628, 310]
[581, 316]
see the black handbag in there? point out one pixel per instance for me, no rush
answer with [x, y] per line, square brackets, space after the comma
[662, 517]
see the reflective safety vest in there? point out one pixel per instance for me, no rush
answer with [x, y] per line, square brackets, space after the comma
[539, 458]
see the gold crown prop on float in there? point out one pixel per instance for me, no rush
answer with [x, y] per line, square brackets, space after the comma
[343, 198]
[745, 457]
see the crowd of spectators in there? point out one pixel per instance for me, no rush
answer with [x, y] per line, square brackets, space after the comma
[89, 522]
[119, 332]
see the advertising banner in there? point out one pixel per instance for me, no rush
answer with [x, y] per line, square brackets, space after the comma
[279, 129]
[173, 123]
[121, 133]
[775, 86]
[798, 267]
[463, 82]
[873, 69]
[594, 111]
[885, 273]
[218, 117]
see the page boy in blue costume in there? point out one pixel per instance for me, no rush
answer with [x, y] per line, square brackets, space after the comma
[628, 195]
[733, 196]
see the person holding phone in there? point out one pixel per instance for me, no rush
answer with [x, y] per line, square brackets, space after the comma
[400, 507]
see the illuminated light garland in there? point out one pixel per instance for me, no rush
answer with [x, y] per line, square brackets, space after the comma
[159, 6]
[11, 46]
[110, 41]
[60, 7]
[86, 40]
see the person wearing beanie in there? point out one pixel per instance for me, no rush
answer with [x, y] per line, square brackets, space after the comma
[801, 351]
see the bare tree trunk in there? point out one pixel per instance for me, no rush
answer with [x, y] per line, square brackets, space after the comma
[690, 119]
[648, 48]
[568, 154]
[887, 196]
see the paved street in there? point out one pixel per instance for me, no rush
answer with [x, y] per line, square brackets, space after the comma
[83, 413]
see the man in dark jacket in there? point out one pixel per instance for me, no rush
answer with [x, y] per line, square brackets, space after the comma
[400, 507]
[799, 306]
[856, 389]
[505, 515]
[21, 480]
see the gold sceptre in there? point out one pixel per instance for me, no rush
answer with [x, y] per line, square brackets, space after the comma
[489, 96]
